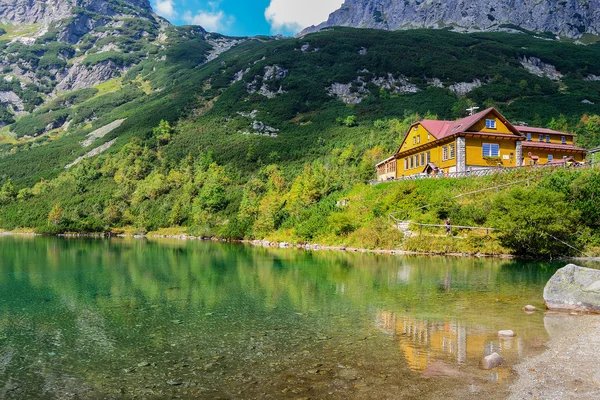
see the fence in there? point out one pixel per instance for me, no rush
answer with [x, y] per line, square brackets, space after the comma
[487, 172]
[452, 227]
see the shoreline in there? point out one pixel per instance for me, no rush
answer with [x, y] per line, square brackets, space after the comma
[568, 366]
[266, 244]
[285, 245]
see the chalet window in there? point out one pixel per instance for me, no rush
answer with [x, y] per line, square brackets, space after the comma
[529, 137]
[491, 150]
[422, 159]
[429, 136]
[419, 139]
[428, 157]
[451, 151]
[490, 123]
[415, 162]
[414, 140]
[541, 138]
[409, 162]
[563, 140]
[547, 138]
[405, 164]
[444, 153]
[550, 157]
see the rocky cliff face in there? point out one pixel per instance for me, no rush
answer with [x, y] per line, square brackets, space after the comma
[52, 46]
[568, 18]
[48, 11]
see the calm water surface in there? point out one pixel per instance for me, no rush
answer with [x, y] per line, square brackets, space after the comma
[154, 319]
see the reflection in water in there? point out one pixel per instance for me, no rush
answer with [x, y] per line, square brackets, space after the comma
[112, 318]
[424, 342]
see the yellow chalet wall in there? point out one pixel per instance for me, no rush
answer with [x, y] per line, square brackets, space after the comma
[416, 137]
[419, 144]
[507, 156]
[545, 145]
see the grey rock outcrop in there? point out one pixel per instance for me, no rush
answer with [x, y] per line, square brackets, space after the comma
[355, 91]
[540, 68]
[462, 88]
[45, 12]
[83, 76]
[574, 288]
[568, 18]
[13, 99]
[265, 84]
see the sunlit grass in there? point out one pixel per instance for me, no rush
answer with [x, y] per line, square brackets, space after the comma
[14, 31]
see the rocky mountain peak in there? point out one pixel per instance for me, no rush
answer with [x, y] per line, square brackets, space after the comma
[566, 18]
[45, 12]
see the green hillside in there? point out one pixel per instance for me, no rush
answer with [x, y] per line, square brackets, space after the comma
[254, 144]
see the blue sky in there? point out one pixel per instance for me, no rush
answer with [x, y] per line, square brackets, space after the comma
[247, 17]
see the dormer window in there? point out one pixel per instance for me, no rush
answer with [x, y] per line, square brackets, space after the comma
[529, 137]
[490, 123]
[563, 140]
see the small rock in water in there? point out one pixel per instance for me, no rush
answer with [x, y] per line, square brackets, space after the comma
[529, 308]
[174, 383]
[492, 361]
[177, 321]
[144, 364]
[506, 334]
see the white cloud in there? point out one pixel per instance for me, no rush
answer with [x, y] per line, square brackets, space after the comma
[294, 15]
[165, 8]
[212, 21]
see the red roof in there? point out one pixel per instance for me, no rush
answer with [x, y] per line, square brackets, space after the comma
[442, 129]
[530, 129]
[553, 146]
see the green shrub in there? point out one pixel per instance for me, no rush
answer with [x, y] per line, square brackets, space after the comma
[535, 222]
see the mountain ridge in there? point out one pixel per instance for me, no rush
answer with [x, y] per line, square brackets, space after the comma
[566, 18]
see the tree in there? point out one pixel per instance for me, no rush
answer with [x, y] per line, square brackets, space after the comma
[350, 121]
[8, 192]
[533, 222]
[163, 132]
[55, 215]
[212, 197]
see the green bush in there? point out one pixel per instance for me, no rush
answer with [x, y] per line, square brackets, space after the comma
[535, 222]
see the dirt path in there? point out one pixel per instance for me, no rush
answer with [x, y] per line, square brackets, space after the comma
[570, 368]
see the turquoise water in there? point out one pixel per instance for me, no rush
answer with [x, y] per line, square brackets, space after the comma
[123, 318]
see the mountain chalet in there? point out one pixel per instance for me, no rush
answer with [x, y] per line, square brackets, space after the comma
[481, 141]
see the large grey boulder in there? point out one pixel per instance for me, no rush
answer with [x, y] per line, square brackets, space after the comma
[574, 288]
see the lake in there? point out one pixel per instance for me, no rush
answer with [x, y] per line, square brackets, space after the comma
[94, 318]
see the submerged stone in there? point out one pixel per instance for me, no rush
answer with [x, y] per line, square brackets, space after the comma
[529, 308]
[492, 361]
[573, 288]
[506, 334]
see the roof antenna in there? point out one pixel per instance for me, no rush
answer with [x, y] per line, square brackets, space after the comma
[472, 110]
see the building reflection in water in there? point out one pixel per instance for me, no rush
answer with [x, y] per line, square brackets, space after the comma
[424, 342]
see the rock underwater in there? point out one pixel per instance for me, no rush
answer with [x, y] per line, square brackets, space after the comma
[573, 288]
